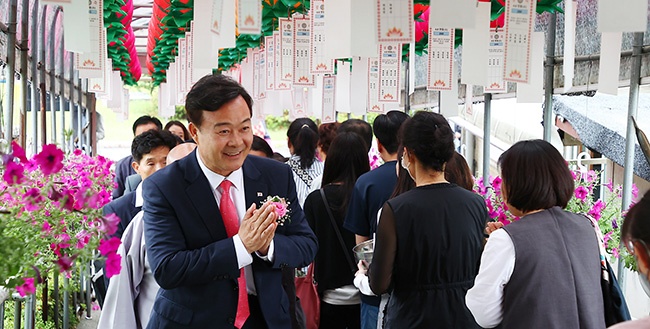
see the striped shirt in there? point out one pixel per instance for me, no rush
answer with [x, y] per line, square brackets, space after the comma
[304, 177]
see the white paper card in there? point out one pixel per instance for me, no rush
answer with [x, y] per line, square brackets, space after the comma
[261, 72]
[300, 100]
[441, 58]
[286, 45]
[76, 26]
[227, 35]
[533, 92]
[373, 87]
[102, 85]
[348, 33]
[217, 14]
[622, 15]
[329, 92]
[280, 84]
[319, 62]
[189, 74]
[449, 98]
[301, 52]
[269, 49]
[203, 57]
[256, 74]
[390, 55]
[343, 87]
[610, 61]
[476, 41]
[395, 21]
[452, 14]
[359, 85]
[568, 66]
[250, 16]
[182, 64]
[91, 64]
[520, 21]
[496, 52]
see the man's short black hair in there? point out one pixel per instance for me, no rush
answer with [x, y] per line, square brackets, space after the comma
[386, 129]
[150, 140]
[358, 127]
[146, 119]
[210, 93]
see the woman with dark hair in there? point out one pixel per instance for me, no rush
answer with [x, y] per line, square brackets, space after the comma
[439, 229]
[326, 134]
[636, 237]
[457, 171]
[548, 260]
[334, 264]
[302, 140]
[177, 128]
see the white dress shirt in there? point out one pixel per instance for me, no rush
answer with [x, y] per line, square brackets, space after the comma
[485, 298]
[238, 196]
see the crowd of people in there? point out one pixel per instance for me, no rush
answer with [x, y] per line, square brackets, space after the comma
[202, 246]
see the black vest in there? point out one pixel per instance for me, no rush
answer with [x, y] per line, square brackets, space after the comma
[556, 279]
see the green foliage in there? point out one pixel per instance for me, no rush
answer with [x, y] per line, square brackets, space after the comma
[278, 123]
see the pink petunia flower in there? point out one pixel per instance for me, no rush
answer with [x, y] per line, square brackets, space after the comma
[18, 152]
[14, 173]
[83, 237]
[581, 193]
[109, 246]
[108, 224]
[50, 160]
[26, 288]
[32, 199]
[65, 263]
[113, 265]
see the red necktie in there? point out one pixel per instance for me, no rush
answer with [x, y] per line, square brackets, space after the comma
[231, 222]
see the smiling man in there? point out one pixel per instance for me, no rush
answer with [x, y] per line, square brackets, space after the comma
[214, 247]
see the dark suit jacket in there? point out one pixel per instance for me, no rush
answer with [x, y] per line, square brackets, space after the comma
[123, 169]
[194, 261]
[124, 207]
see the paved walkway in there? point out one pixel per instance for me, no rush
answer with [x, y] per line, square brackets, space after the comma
[89, 323]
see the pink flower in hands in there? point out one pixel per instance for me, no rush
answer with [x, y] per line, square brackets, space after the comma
[110, 246]
[113, 264]
[50, 160]
[280, 209]
[26, 288]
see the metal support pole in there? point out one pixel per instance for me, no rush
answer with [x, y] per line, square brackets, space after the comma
[41, 63]
[34, 69]
[17, 309]
[30, 308]
[487, 127]
[407, 97]
[24, 75]
[548, 77]
[62, 92]
[66, 303]
[71, 107]
[88, 281]
[628, 168]
[11, 69]
[56, 300]
[2, 315]
[53, 72]
[80, 123]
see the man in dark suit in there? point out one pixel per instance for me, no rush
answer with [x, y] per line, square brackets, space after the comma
[123, 167]
[212, 273]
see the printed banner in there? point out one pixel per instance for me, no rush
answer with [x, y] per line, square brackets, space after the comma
[189, 74]
[280, 84]
[256, 73]
[300, 101]
[286, 44]
[260, 70]
[390, 55]
[102, 85]
[249, 13]
[91, 64]
[269, 50]
[373, 87]
[319, 62]
[520, 21]
[441, 58]
[182, 64]
[496, 52]
[301, 53]
[395, 21]
[329, 92]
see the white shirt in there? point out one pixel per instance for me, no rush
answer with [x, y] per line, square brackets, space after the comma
[238, 196]
[139, 201]
[485, 298]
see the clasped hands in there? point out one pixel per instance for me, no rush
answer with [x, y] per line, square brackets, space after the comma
[257, 229]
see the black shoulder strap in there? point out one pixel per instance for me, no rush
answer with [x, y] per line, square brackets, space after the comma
[338, 233]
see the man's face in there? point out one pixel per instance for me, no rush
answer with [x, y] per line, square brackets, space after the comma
[151, 162]
[145, 127]
[225, 136]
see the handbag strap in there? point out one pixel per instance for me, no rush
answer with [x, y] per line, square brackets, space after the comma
[601, 246]
[338, 232]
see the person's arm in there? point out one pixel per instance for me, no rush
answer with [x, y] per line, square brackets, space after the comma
[356, 217]
[380, 273]
[294, 242]
[485, 298]
[173, 264]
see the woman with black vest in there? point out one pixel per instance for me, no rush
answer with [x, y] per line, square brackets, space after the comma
[429, 239]
[542, 271]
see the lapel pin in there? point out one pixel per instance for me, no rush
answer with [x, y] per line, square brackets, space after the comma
[259, 194]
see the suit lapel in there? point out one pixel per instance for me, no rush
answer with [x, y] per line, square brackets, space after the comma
[255, 190]
[201, 195]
